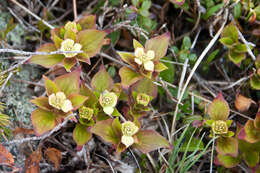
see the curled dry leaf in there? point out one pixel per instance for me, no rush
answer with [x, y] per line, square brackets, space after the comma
[5, 156]
[243, 103]
[54, 155]
[32, 162]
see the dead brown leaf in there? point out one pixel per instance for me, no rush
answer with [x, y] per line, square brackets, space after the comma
[54, 155]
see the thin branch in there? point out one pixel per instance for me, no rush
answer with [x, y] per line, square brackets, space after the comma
[6, 80]
[205, 51]
[244, 41]
[75, 10]
[37, 53]
[35, 138]
[32, 14]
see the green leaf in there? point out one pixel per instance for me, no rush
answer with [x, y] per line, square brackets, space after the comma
[168, 75]
[255, 82]
[88, 22]
[50, 86]
[68, 63]
[186, 43]
[92, 99]
[137, 44]
[240, 48]
[227, 146]
[159, 67]
[227, 41]
[228, 161]
[43, 121]
[42, 102]
[252, 134]
[127, 57]
[251, 158]
[69, 83]
[91, 41]
[81, 135]
[219, 109]
[194, 145]
[102, 81]
[212, 10]
[146, 4]
[105, 130]
[159, 45]
[235, 57]
[128, 76]
[77, 100]
[57, 41]
[237, 10]
[231, 32]
[146, 141]
[47, 60]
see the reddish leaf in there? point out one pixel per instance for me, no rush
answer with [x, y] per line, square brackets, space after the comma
[81, 135]
[92, 100]
[88, 22]
[219, 109]
[102, 81]
[77, 100]
[146, 86]
[42, 102]
[69, 83]
[227, 146]
[54, 156]
[105, 130]
[47, 60]
[91, 41]
[146, 141]
[128, 77]
[159, 45]
[32, 162]
[242, 103]
[50, 86]
[227, 161]
[257, 121]
[251, 134]
[5, 156]
[68, 63]
[43, 121]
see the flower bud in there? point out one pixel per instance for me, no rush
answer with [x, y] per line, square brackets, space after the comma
[142, 99]
[60, 102]
[129, 128]
[219, 127]
[108, 101]
[145, 58]
[86, 112]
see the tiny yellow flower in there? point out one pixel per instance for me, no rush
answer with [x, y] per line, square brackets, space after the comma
[68, 45]
[108, 101]
[127, 140]
[219, 127]
[142, 58]
[142, 99]
[86, 112]
[128, 129]
[71, 26]
[60, 102]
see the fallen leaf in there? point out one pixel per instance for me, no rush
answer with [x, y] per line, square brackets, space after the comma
[54, 155]
[32, 162]
[242, 103]
[5, 156]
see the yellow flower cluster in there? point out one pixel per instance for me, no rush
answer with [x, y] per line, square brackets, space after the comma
[220, 127]
[60, 102]
[128, 130]
[142, 58]
[69, 45]
[86, 112]
[108, 101]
